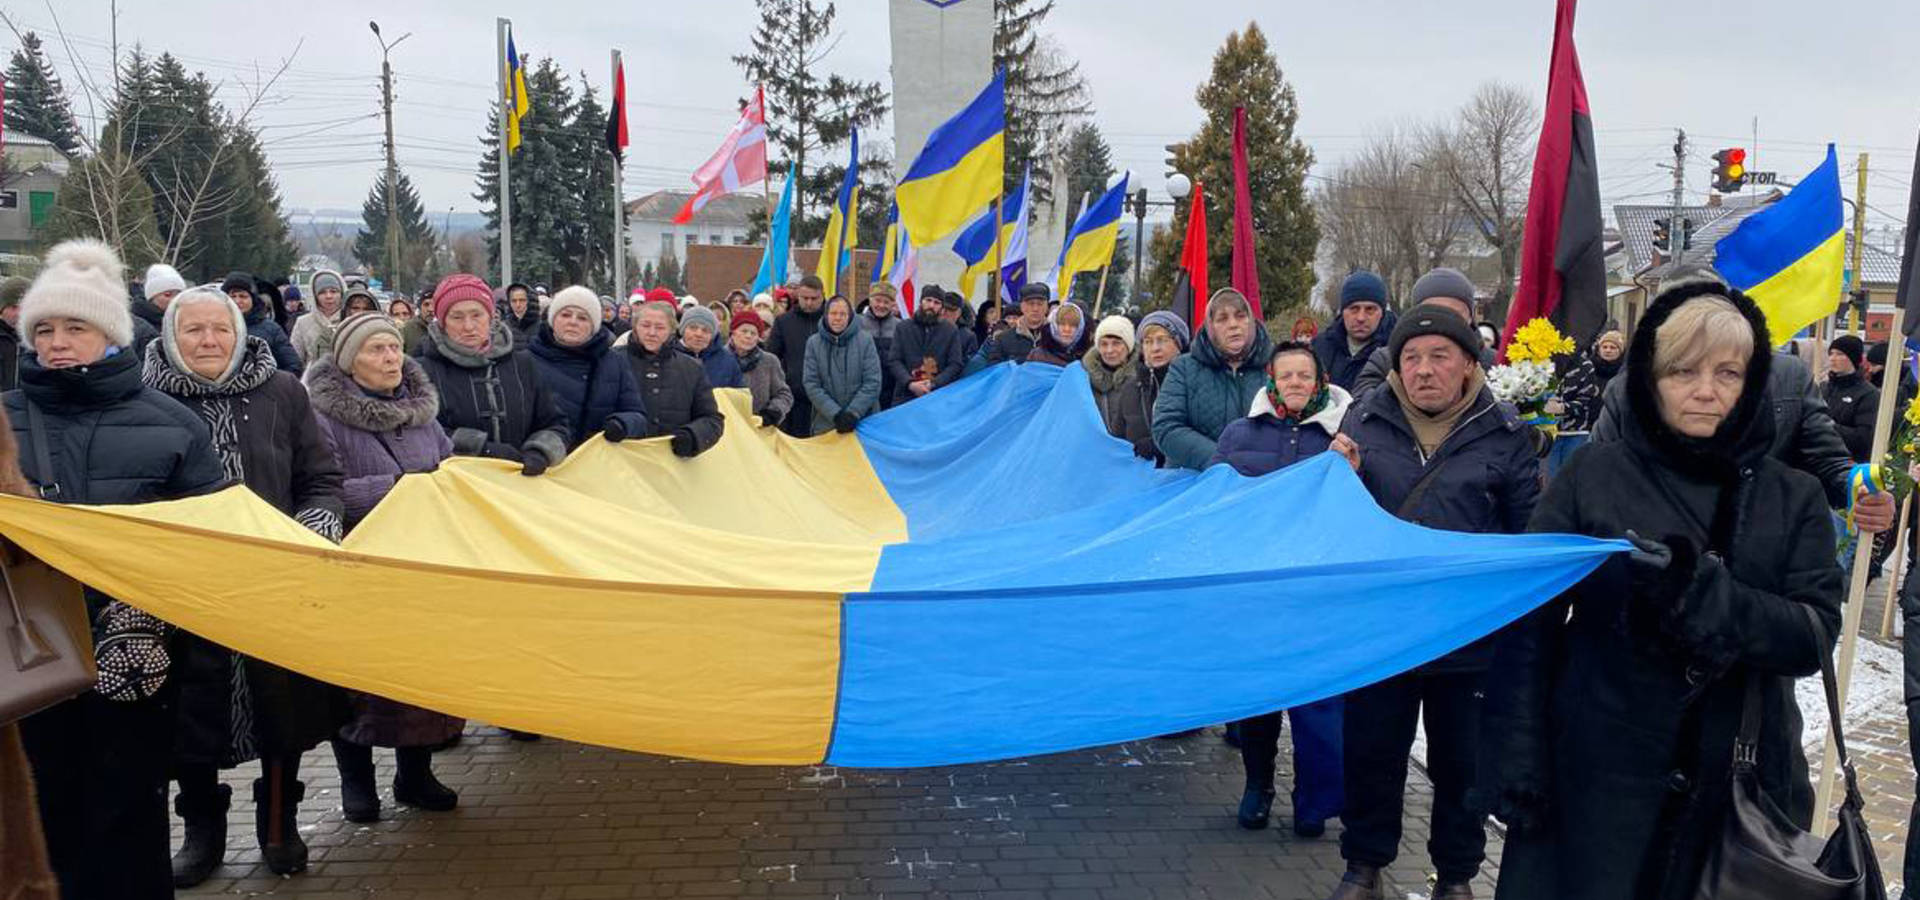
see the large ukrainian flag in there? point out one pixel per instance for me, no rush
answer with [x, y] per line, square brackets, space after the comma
[975, 245]
[894, 613]
[959, 170]
[1791, 257]
[1091, 241]
[843, 225]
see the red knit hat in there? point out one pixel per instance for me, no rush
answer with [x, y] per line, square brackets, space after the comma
[748, 317]
[458, 287]
[661, 295]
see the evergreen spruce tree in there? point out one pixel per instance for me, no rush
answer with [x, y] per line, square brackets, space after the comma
[588, 256]
[1245, 73]
[36, 101]
[808, 114]
[1045, 90]
[417, 237]
[668, 275]
[105, 197]
[542, 182]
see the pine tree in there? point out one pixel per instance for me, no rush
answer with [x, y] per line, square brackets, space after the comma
[1245, 73]
[1044, 90]
[668, 275]
[589, 236]
[542, 182]
[36, 101]
[807, 114]
[417, 237]
[648, 278]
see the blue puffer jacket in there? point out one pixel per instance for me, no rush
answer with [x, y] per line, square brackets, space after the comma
[842, 371]
[1343, 368]
[1201, 396]
[589, 383]
[722, 367]
[1261, 443]
[1487, 483]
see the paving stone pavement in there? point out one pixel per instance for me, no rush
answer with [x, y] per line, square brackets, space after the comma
[560, 821]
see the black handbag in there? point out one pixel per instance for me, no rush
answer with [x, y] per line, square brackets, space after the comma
[1762, 854]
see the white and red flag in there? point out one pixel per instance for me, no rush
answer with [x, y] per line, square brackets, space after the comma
[740, 161]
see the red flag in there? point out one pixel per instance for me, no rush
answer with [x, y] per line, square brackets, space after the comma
[740, 161]
[1246, 264]
[1563, 273]
[617, 116]
[1190, 287]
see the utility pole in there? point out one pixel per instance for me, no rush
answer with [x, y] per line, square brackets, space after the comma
[1676, 226]
[618, 96]
[500, 27]
[393, 167]
[1854, 281]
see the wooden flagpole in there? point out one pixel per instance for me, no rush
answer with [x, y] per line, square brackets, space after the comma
[1892, 571]
[1100, 293]
[1856, 596]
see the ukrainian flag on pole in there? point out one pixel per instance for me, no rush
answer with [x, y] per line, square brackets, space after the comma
[975, 245]
[960, 168]
[843, 226]
[1091, 241]
[1791, 257]
[517, 83]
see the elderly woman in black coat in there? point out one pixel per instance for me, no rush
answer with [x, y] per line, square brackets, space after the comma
[1612, 711]
[90, 432]
[233, 708]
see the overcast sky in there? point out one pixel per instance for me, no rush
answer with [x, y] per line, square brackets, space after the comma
[1811, 73]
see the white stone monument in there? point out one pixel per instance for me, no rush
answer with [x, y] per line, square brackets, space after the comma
[942, 57]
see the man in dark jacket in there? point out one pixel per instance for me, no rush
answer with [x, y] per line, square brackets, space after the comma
[493, 402]
[522, 314]
[789, 342]
[1016, 342]
[1876, 366]
[882, 320]
[927, 341]
[1436, 450]
[1443, 287]
[1851, 399]
[954, 311]
[11, 290]
[260, 323]
[1359, 327]
[673, 386]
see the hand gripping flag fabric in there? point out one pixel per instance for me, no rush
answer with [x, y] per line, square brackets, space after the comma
[517, 105]
[1791, 257]
[740, 161]
[959, 170]
[1091, 241]
[843, 226]
[896, 614]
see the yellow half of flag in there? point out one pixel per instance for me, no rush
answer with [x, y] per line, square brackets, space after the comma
[517, 84]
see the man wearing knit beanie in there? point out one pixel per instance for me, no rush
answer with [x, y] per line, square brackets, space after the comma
[699, 316]
[1359, 328]
[1115, 327]
[1851, 398]
[82, 280]
[162, 283]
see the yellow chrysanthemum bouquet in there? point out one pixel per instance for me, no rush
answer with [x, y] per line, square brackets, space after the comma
[1527, 380]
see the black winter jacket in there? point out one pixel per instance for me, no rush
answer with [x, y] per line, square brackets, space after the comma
[1803, 432]
[260, 324]
[110, 438]
[1125, 408]
[791, 331]
[494, 405]
[1488, 479]
[264, 430]
[1618, 702]
[674, 388]
[1343, 367]
[10, 351]
[1852, 401]
[913, 343]
[590, 383]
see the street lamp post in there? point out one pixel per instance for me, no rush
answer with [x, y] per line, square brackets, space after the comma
[393, 167]
[1178, 187]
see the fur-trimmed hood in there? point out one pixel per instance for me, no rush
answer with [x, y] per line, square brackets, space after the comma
[256, 367]
[338, 397]
[1743, 437]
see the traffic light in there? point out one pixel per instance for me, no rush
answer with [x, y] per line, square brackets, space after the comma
[1662, 236]
[1173, 150]
[1686, 234]
[1730, 170]
[1858, 300]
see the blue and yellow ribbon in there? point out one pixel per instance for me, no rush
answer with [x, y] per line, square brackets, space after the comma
[1863, 475]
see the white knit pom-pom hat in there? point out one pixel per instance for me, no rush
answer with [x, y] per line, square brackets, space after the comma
[81, 279]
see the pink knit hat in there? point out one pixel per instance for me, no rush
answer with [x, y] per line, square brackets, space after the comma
[457, 287]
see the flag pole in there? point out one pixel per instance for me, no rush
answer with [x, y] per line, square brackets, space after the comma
[500, 27]
[1899, 557]
[766, 174]
[1099, 294]
[999, 214]
[619, 201]
[1856, 593]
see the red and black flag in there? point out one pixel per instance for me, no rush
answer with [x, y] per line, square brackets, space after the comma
[617, 114]
[1190, 284]
[1563, 273]
[1909, 291]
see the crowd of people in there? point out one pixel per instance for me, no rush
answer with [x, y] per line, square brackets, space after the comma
[1600, 728]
